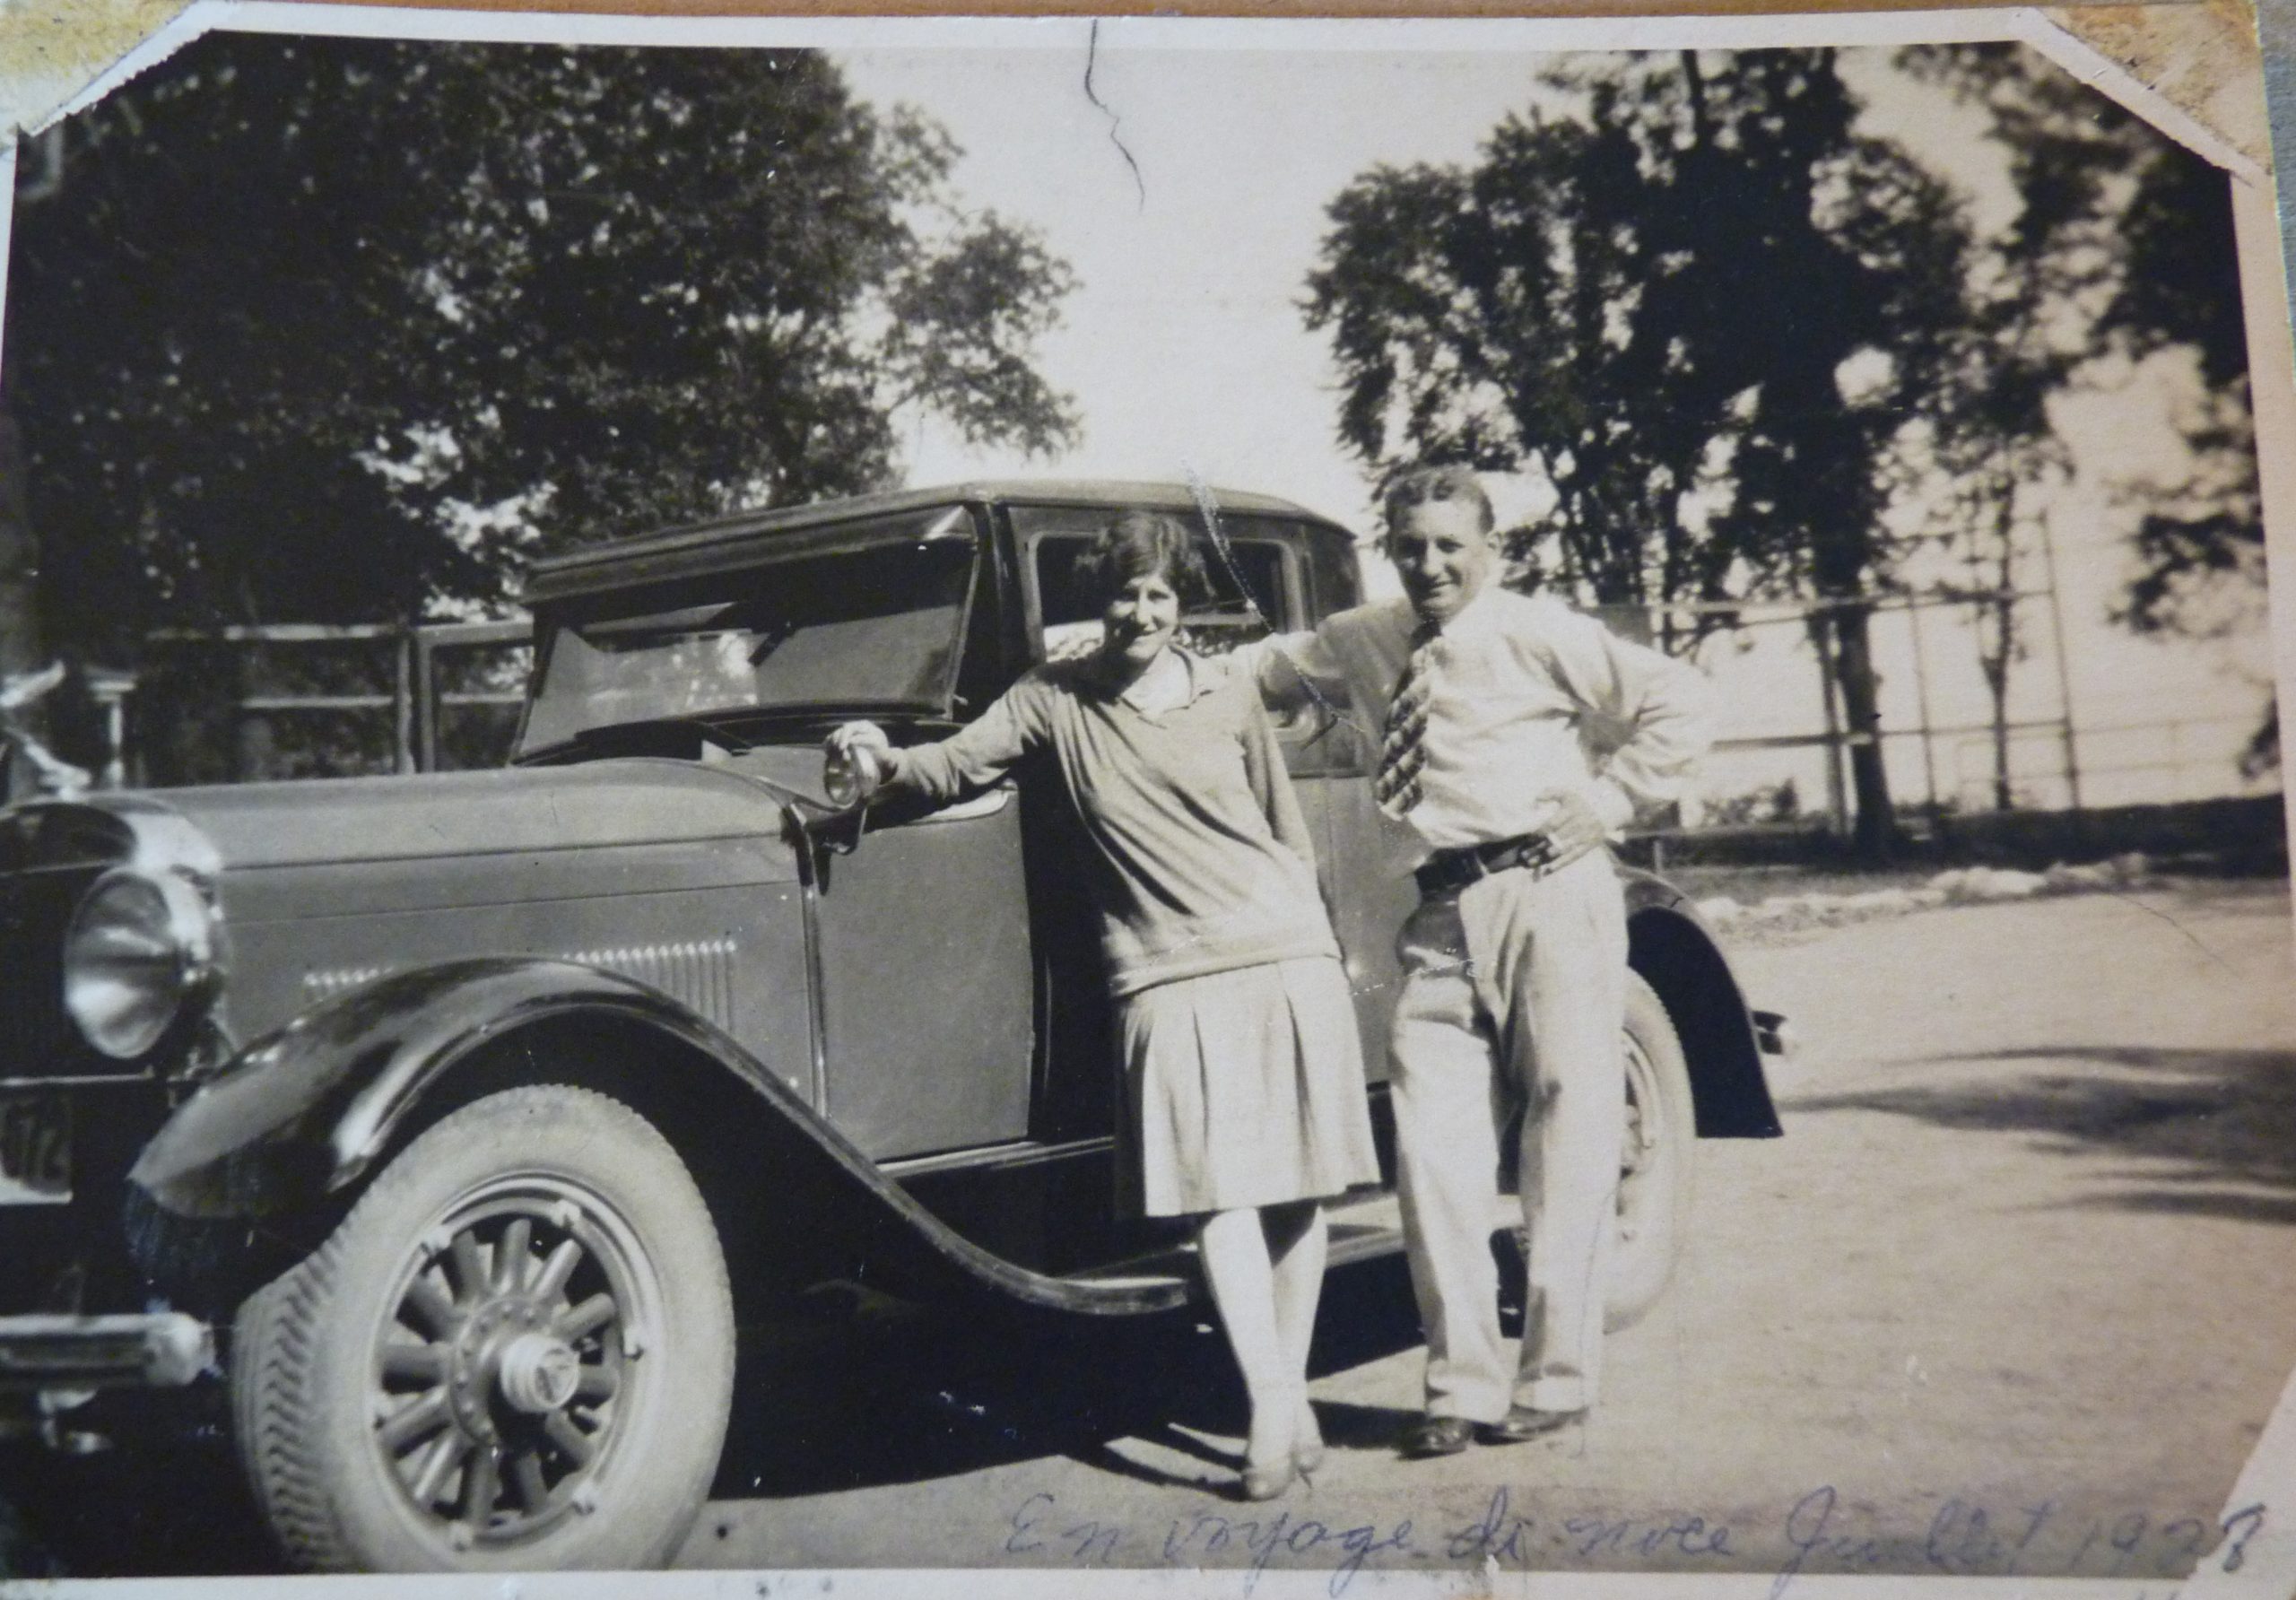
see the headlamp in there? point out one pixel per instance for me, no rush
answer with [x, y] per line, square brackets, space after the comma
[141, 948]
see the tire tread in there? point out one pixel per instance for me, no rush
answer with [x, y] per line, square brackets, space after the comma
[273, 1351]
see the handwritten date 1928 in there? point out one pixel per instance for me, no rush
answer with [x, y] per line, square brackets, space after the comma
[1820, 1533]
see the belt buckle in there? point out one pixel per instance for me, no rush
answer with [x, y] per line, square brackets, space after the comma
[1450, 870]
[1446, 872]
[1533, 853]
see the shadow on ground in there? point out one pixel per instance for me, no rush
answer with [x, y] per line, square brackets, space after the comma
[2209, 1128]
[902, 1400]
[942, 1395]
[168, 1498]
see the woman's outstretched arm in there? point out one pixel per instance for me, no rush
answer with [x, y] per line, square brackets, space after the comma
[977, 755]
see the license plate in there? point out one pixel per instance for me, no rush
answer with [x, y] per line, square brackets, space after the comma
[35, 1148]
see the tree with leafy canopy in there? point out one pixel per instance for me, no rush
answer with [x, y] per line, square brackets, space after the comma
[343, 330]
[2126, 216]
[1704, 307]
[2200, 543]
[2122, 246]
[2033, 300]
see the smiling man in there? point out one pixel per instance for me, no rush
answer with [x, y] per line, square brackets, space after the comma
[1515, 735]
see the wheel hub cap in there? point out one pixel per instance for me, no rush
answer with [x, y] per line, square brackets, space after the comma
[538, 1372]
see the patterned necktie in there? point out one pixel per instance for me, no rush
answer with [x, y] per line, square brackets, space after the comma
[1394, 787]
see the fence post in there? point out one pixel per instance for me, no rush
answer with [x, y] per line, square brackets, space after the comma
[1921, 692]
[403, 699]
[426, 700]
[1836, 785]
[2064, 668]
[245, 751]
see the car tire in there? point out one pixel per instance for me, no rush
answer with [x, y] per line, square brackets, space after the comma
[1656, 1159]
[516, 1351]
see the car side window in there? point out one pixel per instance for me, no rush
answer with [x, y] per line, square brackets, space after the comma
[1257, 576]
[1252, 595]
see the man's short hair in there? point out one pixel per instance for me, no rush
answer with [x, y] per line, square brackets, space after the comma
[1425, 484]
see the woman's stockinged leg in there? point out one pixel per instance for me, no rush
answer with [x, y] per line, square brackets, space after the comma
[1243, 1287]
[1298, 1242]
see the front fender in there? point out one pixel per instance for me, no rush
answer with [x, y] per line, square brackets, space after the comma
[304, 1111]
[293, 1124]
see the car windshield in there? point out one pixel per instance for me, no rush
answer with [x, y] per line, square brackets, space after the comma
[879, 622]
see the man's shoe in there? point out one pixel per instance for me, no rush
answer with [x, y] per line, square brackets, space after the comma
[1524, 1422]
[1436, 1436]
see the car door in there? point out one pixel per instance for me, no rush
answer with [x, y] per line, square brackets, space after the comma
[923, 957]
[926, 981]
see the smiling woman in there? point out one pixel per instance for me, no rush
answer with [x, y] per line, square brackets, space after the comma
[1243, 1077]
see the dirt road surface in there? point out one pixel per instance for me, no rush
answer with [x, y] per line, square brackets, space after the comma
[2014, 1293]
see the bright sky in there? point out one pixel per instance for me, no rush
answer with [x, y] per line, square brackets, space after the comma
[1186, 350]
[1184, 342]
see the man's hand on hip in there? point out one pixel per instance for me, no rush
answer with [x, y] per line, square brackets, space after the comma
[1574, 828]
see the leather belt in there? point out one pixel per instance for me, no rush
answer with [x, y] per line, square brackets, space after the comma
[1446, 872]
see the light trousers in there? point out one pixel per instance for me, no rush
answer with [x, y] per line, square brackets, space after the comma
[1514, 993]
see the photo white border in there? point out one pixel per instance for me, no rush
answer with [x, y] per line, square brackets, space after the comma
[29, 95]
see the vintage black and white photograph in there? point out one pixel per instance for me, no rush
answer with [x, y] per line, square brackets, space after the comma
[1348, 799]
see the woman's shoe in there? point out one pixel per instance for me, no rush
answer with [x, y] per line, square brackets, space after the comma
[1308, 1444]
[1266, 1477]
[1265, 1482]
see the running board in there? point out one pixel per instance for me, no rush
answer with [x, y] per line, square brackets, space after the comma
[1362, 1229]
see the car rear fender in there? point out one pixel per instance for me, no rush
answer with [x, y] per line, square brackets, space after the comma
[280, 1142]
[1678, 958]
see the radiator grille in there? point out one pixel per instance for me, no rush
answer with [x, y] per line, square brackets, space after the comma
[35, 1037]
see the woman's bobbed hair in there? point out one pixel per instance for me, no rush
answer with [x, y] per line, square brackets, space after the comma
[1142, 545]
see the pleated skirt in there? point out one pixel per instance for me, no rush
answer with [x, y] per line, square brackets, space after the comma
[1243, 1088]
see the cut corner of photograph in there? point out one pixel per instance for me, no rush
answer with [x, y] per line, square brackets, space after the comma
[879, 804]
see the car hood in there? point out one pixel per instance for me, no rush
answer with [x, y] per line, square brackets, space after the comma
[524, 811]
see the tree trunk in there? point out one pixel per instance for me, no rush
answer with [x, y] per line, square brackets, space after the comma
[19, 634]
[1995, 654]
[1875, 834]
[1993, 657]
[1997, 680]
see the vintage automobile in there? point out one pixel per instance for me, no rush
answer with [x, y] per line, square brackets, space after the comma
[456, 1122]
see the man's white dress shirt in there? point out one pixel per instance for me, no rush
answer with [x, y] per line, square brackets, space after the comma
[1526, 697]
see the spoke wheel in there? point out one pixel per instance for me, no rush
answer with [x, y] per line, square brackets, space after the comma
[516, 1352]
[1655, 1162]
[497, 1375]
